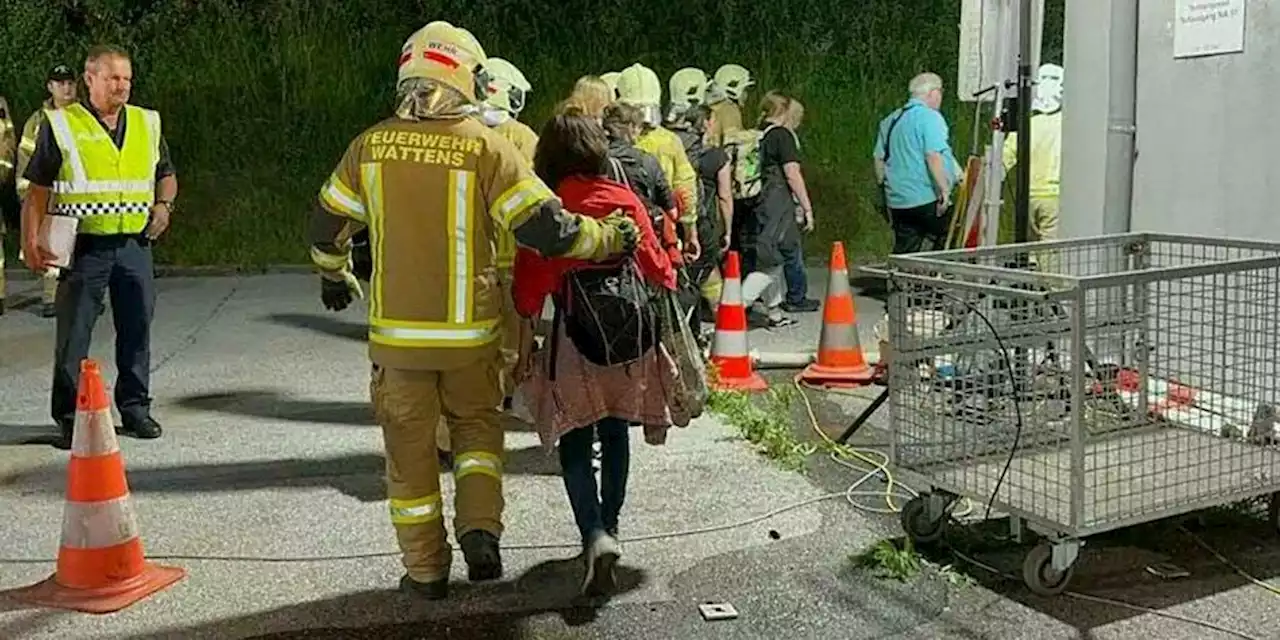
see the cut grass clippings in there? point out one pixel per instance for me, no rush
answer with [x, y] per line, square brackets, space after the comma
[766, 424]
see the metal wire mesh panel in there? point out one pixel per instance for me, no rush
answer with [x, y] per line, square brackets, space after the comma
[1089, 384]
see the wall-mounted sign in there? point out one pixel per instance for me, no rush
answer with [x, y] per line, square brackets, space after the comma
[1208, 27]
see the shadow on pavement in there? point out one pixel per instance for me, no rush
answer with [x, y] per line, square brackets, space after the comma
[267, 403]
[327, 325]
[27, 434]
[543, 596]
[274, 405]
[1112, 565]
[360, 476]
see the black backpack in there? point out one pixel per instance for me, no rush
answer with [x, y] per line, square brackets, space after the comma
[608, 310]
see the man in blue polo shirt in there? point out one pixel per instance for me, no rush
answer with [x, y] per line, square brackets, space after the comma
[915, 167]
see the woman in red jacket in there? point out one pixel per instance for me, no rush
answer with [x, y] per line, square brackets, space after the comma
[584, 400]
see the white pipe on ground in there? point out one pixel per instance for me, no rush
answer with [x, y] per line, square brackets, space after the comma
[782, 360]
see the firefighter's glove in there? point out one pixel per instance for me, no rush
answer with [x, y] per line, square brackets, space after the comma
[619, 235]
[338, 289]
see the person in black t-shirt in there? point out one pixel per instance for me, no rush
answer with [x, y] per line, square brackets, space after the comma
[777, 224]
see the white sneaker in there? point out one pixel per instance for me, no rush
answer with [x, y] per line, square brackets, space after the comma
[602, 559]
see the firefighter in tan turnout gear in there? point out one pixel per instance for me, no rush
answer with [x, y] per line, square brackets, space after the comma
[435, 187]
[506, 99]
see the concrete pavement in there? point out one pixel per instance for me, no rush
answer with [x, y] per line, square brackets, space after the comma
[271, 462]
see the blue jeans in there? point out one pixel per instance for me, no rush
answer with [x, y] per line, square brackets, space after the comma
[595, 510]
[797, 277]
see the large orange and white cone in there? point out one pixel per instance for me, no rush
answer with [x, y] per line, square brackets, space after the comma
[840, 358]
[729, 351]
[101, 567]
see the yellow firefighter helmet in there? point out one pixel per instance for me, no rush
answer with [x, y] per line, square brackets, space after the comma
[640, 86]
[446, 54]
[688, 87]
[732, 81]
[611, 79]
[509, 89]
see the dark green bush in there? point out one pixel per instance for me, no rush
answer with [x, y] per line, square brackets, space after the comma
[259, 97]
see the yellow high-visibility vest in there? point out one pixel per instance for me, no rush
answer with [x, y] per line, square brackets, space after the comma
[110, 189]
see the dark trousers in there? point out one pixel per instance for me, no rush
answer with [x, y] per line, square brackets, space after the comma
[596, 510]
[121, 267]
[912, 227]
[795, 274]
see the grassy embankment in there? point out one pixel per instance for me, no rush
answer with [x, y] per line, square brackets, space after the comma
[260, 98]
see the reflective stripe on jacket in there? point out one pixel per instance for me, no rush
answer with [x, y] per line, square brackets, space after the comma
[435, 196]
[27, 146]
[6, 142]
[669, 150]
[110, 189]
[525, 141]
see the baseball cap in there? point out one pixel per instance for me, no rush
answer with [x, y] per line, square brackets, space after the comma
[61, 72]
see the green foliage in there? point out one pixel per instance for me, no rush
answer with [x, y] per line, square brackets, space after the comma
[260, 97]
[766, 424]
[888, 560]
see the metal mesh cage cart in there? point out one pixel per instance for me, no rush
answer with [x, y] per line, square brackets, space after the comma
[1082, 386]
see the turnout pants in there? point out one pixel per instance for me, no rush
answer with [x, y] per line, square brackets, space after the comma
[119, 266]
[408, 405]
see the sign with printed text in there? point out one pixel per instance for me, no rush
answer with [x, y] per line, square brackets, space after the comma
[989, 45]
[1208, 27]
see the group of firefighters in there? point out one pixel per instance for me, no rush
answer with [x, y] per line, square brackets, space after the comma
[437, 197]
[427, 206]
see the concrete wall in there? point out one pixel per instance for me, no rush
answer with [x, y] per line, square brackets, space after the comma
[1207, 135]
[1208, 132]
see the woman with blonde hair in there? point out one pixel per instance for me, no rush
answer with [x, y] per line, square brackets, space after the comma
[590, 96]
[776, 232]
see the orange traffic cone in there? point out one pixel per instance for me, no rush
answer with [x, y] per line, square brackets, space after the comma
[101, 567]
[729, 351]
[840, 359]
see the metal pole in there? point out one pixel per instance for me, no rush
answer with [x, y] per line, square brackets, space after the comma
[1022, 201]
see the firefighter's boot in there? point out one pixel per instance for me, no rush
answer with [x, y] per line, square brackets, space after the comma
[484, 560]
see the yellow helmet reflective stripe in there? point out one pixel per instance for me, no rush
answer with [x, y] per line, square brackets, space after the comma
[732, 81]
[639, 85]
[446, 54]
[509, 88]
[688, 87]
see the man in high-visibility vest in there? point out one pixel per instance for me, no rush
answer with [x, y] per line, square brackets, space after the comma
[105, 163]
[6, 173]
[61, 86]
[435, 187]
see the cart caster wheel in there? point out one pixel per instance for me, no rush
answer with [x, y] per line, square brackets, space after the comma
[1040, 576]
[916, 523]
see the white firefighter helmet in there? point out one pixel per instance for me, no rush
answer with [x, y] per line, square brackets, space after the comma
[639, 85]
[611, 79]
[732, 81]
[448, 55]
[1048, 95]
[509, 89]
[688, 88]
